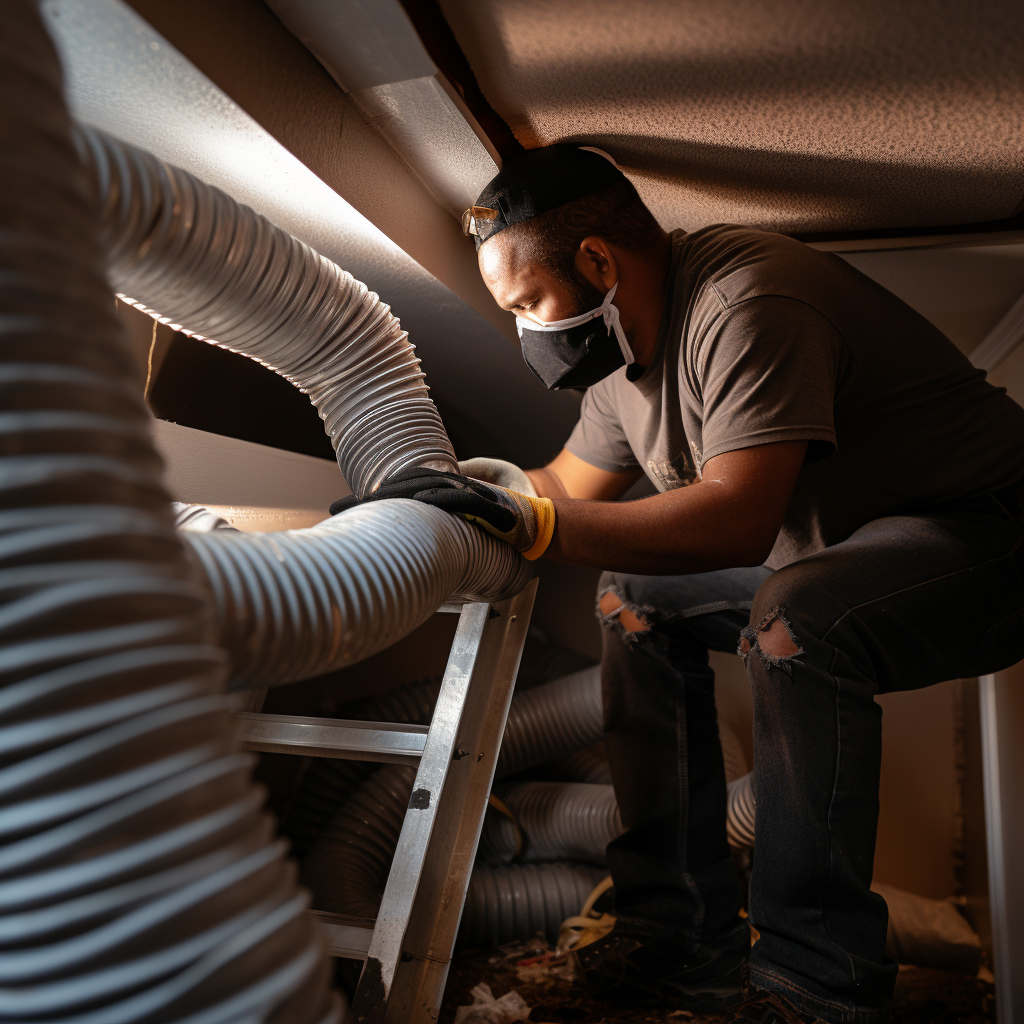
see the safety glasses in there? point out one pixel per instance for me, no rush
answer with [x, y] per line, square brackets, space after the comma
[477, 218]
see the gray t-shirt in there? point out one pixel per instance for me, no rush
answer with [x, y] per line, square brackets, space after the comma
[764, 339]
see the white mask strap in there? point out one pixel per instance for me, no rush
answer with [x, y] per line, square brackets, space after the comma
[608, 312]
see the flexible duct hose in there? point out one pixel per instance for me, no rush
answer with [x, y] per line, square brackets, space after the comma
[543, 722]
[551, 720]
[505, 903]
[739, 822]
[348, 863]
[216, 269]
[300, 603]
[197, 518]
[139, 879]
[558, 821]
[328, 783]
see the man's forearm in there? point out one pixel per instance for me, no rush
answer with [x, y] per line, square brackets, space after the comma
[547, 483]
[684, 531]
[730, 518]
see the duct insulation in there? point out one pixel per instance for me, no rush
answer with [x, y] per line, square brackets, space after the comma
[140, 881]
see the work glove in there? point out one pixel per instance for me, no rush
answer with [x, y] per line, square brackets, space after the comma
[498, 471]
[525, 522]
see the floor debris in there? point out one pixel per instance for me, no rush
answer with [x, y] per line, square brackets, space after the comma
[546, 984]
[485, 1009]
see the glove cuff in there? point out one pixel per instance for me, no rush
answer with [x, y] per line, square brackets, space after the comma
[544, 512]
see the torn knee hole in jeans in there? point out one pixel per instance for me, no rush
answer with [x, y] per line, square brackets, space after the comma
[613, 607]
[773, 639]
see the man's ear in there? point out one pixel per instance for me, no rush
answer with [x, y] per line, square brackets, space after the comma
[594, 260]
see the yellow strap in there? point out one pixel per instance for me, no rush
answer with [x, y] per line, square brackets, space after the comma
[544, 510]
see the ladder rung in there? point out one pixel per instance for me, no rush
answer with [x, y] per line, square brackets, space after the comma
[333, 737]
[346, 936]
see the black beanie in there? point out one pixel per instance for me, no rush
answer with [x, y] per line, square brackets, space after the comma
[537, 181]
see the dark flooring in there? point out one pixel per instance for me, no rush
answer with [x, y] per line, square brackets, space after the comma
[923, 996]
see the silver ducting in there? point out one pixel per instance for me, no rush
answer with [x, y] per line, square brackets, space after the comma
[139, 879]
[193, 256]
[512, 902]
[551, 821]
[739, 820]
[568, 822]
[551, 720]
[299, 603]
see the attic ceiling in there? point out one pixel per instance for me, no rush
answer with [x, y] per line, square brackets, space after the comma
[791, 115]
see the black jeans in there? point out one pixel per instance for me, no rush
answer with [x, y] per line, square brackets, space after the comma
[905, 602]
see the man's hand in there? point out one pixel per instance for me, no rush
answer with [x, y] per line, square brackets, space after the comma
[525, 522]
[499, 472]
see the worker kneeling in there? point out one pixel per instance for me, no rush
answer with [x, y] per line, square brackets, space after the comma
[840, 501]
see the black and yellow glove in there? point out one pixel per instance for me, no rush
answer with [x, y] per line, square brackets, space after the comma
[525, 522]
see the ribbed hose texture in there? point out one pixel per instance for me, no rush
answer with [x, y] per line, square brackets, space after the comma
[505, 903]
[216, 269]
[328, 783]
[299, 603]
[348, 864]
[552, 720]
[557, 821]
[139, 879]
[349, 859]
[741, 813]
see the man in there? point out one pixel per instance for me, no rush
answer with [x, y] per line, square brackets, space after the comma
[840, 501]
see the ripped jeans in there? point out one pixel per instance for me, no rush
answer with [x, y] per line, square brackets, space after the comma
[905, 602]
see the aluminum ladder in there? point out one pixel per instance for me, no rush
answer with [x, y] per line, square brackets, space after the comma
[408, 948]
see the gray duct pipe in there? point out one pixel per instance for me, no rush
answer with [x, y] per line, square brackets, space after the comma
[299, 603]
[552, 720]
[739, 821]
[139, 879]
[544, 722]
[558, 821]
[193, 256]
[509, 902]
[349, 859]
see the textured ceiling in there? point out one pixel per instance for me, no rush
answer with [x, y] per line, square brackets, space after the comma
[795, 114]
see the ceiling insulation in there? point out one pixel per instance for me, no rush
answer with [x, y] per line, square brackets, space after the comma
[791, 115]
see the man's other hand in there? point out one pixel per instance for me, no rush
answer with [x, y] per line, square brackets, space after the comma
[499, 472]
[525, 522]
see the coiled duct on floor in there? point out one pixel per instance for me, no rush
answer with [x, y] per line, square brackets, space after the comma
[348, 863]
[328, 783]
[739, 822]
[544, 722]
[348, 868]
[139, 879]
[506, 903]
[299, 603]
[551, 720]
[557, 821]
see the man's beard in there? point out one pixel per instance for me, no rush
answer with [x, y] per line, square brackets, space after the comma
[585, 296]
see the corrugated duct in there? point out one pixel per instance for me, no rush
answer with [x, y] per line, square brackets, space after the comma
[568, 822]
[299, 603]
[139, 879]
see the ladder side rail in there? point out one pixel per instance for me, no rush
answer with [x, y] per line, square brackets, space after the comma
[418, 987]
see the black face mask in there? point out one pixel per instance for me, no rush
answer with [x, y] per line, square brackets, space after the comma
[577, 352]
[573, 358]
